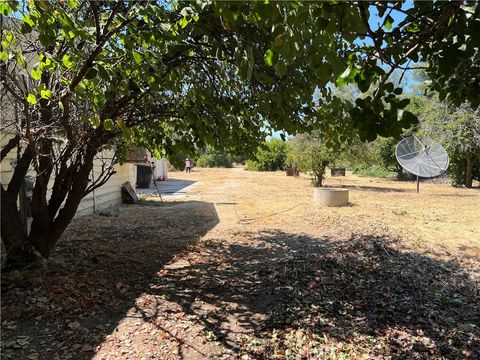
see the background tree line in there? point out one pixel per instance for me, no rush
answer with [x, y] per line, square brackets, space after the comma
[456, 128]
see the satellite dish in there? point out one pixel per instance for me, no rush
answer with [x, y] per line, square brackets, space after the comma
[422, 157]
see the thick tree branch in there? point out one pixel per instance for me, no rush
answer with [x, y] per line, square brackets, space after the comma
[12, 143]
[20, 171]
[94, 7]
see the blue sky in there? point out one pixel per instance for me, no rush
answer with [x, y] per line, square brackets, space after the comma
[375, 21]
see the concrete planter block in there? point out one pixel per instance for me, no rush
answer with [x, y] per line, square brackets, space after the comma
[330, 196]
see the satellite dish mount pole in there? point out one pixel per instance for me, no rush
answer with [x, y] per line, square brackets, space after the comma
[418, 185]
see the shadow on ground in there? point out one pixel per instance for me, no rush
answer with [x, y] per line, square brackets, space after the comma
[376, 188]
[100, 267]
[259, 294]
[312, 297]
[168, 187]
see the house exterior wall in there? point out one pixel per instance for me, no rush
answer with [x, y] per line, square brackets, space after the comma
[161, 168]
[108, 195]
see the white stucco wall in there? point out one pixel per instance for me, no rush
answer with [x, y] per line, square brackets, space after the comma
[160, 169]
[106, 196]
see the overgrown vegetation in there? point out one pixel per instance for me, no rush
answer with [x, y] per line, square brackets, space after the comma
[373, 171]
[269, 157]
[211, 158]
[457, 128]
[309, 154]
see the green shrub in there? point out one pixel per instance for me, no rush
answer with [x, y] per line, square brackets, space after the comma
[308, 153]
[251, 165]
[373, 171]
[314, 160]
[269, 157]
[457, 168]
[386, 150]
[213, 158]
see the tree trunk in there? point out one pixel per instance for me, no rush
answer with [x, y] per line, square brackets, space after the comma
[399, 170]
[469, 171]
[48, 227]
[20, 252]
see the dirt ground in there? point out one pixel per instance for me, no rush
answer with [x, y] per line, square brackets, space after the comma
[246, 266]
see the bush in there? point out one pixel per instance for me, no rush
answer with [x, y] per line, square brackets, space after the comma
[251, 165]
[269, 157]
[373, 171]
[386, 149]
[358, 154]
[213, 158]
[457, 168]
[309, 154]
[315, 160]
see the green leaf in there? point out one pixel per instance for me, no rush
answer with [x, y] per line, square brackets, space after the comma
[268, 57]
[20, 59]
[402, 103]
[388, 22]
[324, 72]
[46, 94]
[3, 56]
[6, 7]
[120, 122]
[31, 99]
[36, 74]
[137, 57]
[72, 3]
[183, 22]
[408, 118]
[363, 85]
[280, 69]
[389, 87]
[42, 4]
[67, 61]
[28, 20]
[109, 125]
[95, 121]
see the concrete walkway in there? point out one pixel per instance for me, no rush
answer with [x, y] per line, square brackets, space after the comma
[170, 187]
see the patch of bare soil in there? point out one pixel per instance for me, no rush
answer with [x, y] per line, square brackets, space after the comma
[246, 267]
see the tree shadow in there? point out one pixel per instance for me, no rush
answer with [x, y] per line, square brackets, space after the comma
[168, 187]
[364, 291]
[261, 294]
[101, 266]
[376, 188]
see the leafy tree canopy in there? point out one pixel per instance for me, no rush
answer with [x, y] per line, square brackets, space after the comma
[217, 68]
